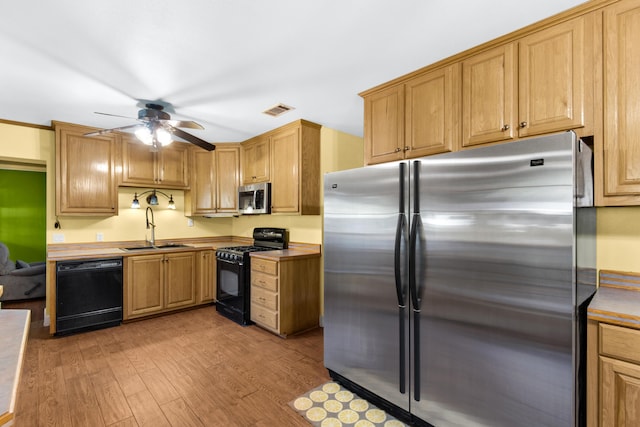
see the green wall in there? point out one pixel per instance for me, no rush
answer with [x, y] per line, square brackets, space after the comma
[23, 196]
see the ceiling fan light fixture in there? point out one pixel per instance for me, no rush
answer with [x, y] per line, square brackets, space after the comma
[163, 136]
[144, 135]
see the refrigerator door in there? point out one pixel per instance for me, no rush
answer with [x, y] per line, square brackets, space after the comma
[365, 323]
[495, 283]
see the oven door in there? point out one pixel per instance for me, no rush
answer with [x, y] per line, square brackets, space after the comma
[232, 292]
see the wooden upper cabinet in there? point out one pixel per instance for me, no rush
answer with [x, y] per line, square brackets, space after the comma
[227, 178]
[432, 112]
[215, 176]
[295, 169]
[489, 96]
[167, 168]
[285, 146]
[621, 103]
[86, 179]
[384, 125]
[553, 83]
[173, 165]
[536, 85]
[255, 160]
[201, 199]
[416, 118]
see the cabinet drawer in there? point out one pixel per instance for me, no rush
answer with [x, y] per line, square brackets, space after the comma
[264, 316]
[264, 298]
[264, 281]
[265, 266]
[619, 342]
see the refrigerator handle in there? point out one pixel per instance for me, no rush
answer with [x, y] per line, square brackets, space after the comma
[400, 291]
[413, 286]
[413, 237]
[398, 243]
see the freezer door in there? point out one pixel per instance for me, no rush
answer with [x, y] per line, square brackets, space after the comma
[496, 285]
[365, 340]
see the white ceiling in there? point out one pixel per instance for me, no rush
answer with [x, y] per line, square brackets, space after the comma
[222, 62]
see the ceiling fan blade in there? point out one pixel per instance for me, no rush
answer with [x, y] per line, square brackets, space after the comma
[116, 115]
[183, 124]
[192, 139]
[103, 131]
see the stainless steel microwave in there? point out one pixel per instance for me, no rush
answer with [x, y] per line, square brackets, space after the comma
[255, 198]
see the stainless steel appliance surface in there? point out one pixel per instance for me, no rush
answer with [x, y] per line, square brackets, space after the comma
[456, 285]
[233, 272]
[255, 198]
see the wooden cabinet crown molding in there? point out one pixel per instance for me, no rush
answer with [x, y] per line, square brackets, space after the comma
[579, 10]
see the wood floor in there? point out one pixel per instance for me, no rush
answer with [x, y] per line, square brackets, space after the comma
[194, 368]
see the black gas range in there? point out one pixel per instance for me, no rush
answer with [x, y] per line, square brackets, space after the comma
[233, 294]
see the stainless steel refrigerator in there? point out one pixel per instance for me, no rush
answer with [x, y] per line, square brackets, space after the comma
[456, 285]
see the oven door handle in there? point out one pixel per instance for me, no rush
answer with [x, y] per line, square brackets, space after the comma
[226, 261]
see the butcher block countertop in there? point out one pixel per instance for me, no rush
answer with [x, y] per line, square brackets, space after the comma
[73, 251]
[617, 300]
[297, 251]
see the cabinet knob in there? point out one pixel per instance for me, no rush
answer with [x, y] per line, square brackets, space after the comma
[398, 149]
[523, 124]
[406, 148]
[505, 128]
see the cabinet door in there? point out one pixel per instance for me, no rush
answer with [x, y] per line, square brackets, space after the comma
[255, 160]
[432, 112]
[145, 285]
[173, 167]
[489, 96]
[139, 165]
[384, 125]
[622, 83]
[227, 178]
[285, 180]
[167, 168]
[552, 79]
[620, 393]
[86, 182]
[202, 194]
[206, 268]
[180, 279]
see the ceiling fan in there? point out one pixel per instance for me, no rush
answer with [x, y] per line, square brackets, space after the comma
[156, 128]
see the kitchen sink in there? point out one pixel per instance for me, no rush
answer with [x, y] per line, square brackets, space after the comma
[165, 246]
[172, 245]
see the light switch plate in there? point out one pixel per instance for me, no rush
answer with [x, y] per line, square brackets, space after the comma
[58, 238]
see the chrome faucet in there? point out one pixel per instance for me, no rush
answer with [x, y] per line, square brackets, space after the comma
[152, 225]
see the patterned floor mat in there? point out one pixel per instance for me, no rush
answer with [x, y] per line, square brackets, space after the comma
[331, 405]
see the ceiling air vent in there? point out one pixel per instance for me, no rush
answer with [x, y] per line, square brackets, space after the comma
[278, 110]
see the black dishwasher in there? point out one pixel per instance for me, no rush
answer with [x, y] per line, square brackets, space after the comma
[88, 294]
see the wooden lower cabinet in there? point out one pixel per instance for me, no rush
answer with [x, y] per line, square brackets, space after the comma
[614, 385]
[206, 270]
[158, 283]
[285, 294]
